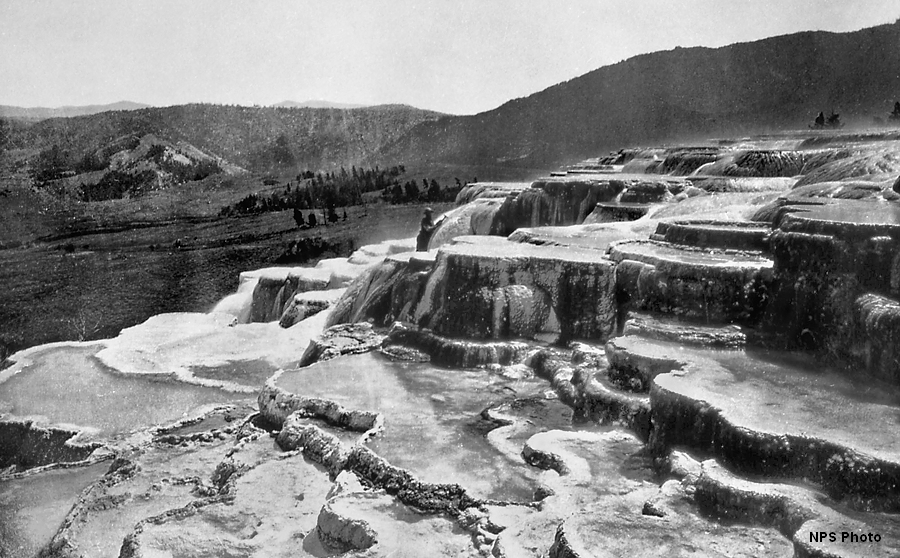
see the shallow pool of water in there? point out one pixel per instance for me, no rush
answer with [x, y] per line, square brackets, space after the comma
[33, 508]
[433, 424]
[68, 386]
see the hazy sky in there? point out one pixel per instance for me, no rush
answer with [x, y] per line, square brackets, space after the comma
[455, 56]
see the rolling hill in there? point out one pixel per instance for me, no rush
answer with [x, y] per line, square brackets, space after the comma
[681, 94]
[684, 93]
[256, 138]
[41, 113]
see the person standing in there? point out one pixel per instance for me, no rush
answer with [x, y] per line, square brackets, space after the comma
[426, 230]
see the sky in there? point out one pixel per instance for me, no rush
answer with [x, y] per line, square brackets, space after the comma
[454, 56]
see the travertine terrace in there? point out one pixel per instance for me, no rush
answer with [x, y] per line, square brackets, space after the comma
[673, 351]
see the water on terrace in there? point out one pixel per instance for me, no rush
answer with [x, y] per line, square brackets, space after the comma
[69, 386]
[32, 508]
[432, 415]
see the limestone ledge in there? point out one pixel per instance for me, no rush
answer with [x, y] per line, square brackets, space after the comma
[735, 235]
[664, 328]
[711, 285]
[489, 190]
[343, 339]
[488, 287]
[306, 304]
[582, 383]
[771, 419]
[474, 218]
[340, 531]
[632, 370]
[456, 353]
[385, 292]
[659, 523]
[828, 257]
[277, 405]
[878, 335]
[796, 512]
[276, 287]
[375, 521]
[554, 202]
[372, 470]
[26, 446]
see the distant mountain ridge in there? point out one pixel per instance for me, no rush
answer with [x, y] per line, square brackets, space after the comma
[685, 93]
[317, 104]
[256, 138]
[39, 113]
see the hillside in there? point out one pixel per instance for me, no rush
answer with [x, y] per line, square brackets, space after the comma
[684, 93]
[256, 138]
[40, 113]
[317, 103]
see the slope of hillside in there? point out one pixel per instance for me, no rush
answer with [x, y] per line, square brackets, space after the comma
[683, 93]
[316, 103]
[257, 138]
[40, 113]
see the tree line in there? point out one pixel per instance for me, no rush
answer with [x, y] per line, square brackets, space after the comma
[329, 190]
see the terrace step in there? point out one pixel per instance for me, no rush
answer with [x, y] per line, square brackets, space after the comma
[878, 330]
[664, 328]
[775, 414]
[816, 530]
[489, 287]
[734, 235]
[718, 286]
[656, 523]
[605, 212]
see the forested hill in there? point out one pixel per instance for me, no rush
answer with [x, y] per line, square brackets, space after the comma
[256, 138]
[679, 94]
